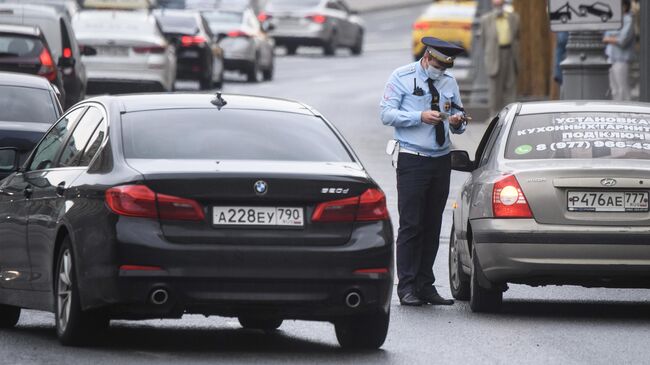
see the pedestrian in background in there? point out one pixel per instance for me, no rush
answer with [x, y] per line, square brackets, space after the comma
[620, 52]
[422, 101]
[561, 41]
[499, 31]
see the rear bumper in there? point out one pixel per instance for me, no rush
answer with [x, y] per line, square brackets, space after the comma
[233, 280]
[523, 251]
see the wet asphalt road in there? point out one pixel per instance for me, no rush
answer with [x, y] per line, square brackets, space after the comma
[537, 325]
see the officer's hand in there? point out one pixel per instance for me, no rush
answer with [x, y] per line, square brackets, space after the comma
[431, 117]
[456, 119]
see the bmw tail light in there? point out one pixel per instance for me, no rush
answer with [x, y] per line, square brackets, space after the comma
[192, 40]
[317, 18]
[67, 52]
[175, 208]
[508, 200]
[370, 206]
[140, 201]
[48, 70]
[421, 26]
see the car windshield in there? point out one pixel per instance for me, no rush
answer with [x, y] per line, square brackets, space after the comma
[218, 19]
[178, 23]
[293, 4]
[126, 24]
[229, 135]
[15, 45]
[579, 135]
[24, 104]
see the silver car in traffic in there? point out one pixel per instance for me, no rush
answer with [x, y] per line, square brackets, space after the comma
[329, 24]
[246, 46]
[132, 53]
[558, 195]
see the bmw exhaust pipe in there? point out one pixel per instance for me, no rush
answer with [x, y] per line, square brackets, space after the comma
[159, 296]
[353, 299]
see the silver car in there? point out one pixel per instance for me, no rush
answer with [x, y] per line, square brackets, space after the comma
[246, 46]
[132, 53]
[558, 195]
[322, 23]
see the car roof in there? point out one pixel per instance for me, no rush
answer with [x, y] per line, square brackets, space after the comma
[21, 29]
[187, 13]
[34, 9]
[577, 106]
[143, 102]
[118, 15]
[24, 80]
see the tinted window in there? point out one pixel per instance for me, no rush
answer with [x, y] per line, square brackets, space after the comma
[46, 151]
[79, 139]
[91, 24]
[229, 134]
[218, 18]
[13, 45]
[579, 135]
[23, 104]
[93, 145]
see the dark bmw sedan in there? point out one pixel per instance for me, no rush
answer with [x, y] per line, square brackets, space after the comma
[152, 206]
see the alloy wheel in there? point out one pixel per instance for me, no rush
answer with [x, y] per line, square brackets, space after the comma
[64, 290]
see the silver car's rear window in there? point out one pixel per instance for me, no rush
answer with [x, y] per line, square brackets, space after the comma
[230, 135]
[293, 4]
[579, 135]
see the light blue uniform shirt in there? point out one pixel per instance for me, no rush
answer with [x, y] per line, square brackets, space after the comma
[623, 50]
[402, 109]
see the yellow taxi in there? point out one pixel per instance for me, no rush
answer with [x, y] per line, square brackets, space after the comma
[448, 20]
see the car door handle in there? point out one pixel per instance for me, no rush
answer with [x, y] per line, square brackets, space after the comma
[60, 189]
[28, 191]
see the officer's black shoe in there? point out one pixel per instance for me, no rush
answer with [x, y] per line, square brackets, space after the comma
[435, 299]
[410, 299]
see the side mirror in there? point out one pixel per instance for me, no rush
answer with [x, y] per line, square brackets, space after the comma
[66, 62]
[8, 159]
[88, 51]
[460, 161]
[267, 26]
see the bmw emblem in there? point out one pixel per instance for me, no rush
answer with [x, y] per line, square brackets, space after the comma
[261, 187]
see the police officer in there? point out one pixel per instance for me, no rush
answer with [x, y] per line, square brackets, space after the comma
[422, 102]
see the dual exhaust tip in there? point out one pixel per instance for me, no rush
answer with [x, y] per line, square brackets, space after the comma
[160, 296]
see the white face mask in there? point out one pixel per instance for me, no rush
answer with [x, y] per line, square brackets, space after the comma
[434, 73]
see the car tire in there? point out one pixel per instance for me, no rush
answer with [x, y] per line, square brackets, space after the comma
[291, 50]
[260, 324]
[357, 49]
[604, 18]
[253, 72]
[9, 316]
[482, 300]
[268, 73]
[564, 18]
[582, 11]
[329, 49]
[459, 281]
[74, 326]
[366, 332]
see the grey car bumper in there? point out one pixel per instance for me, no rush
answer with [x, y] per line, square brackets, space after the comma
[524, 251]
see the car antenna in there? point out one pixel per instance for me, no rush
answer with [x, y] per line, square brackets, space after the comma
[218, 101]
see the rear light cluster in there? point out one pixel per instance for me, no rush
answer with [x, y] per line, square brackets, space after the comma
[317, 18]
[67, 52]
[370, 206]
[140, 201]
[421, 25]
[238, 34]
[264, 16]
[149, 49]
[192, 40]
[48, 69]
[508, 201]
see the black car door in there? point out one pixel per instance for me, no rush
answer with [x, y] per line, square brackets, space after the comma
[15, 195]
[48, 203]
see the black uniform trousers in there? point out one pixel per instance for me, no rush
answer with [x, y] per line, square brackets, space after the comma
[422, 191]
